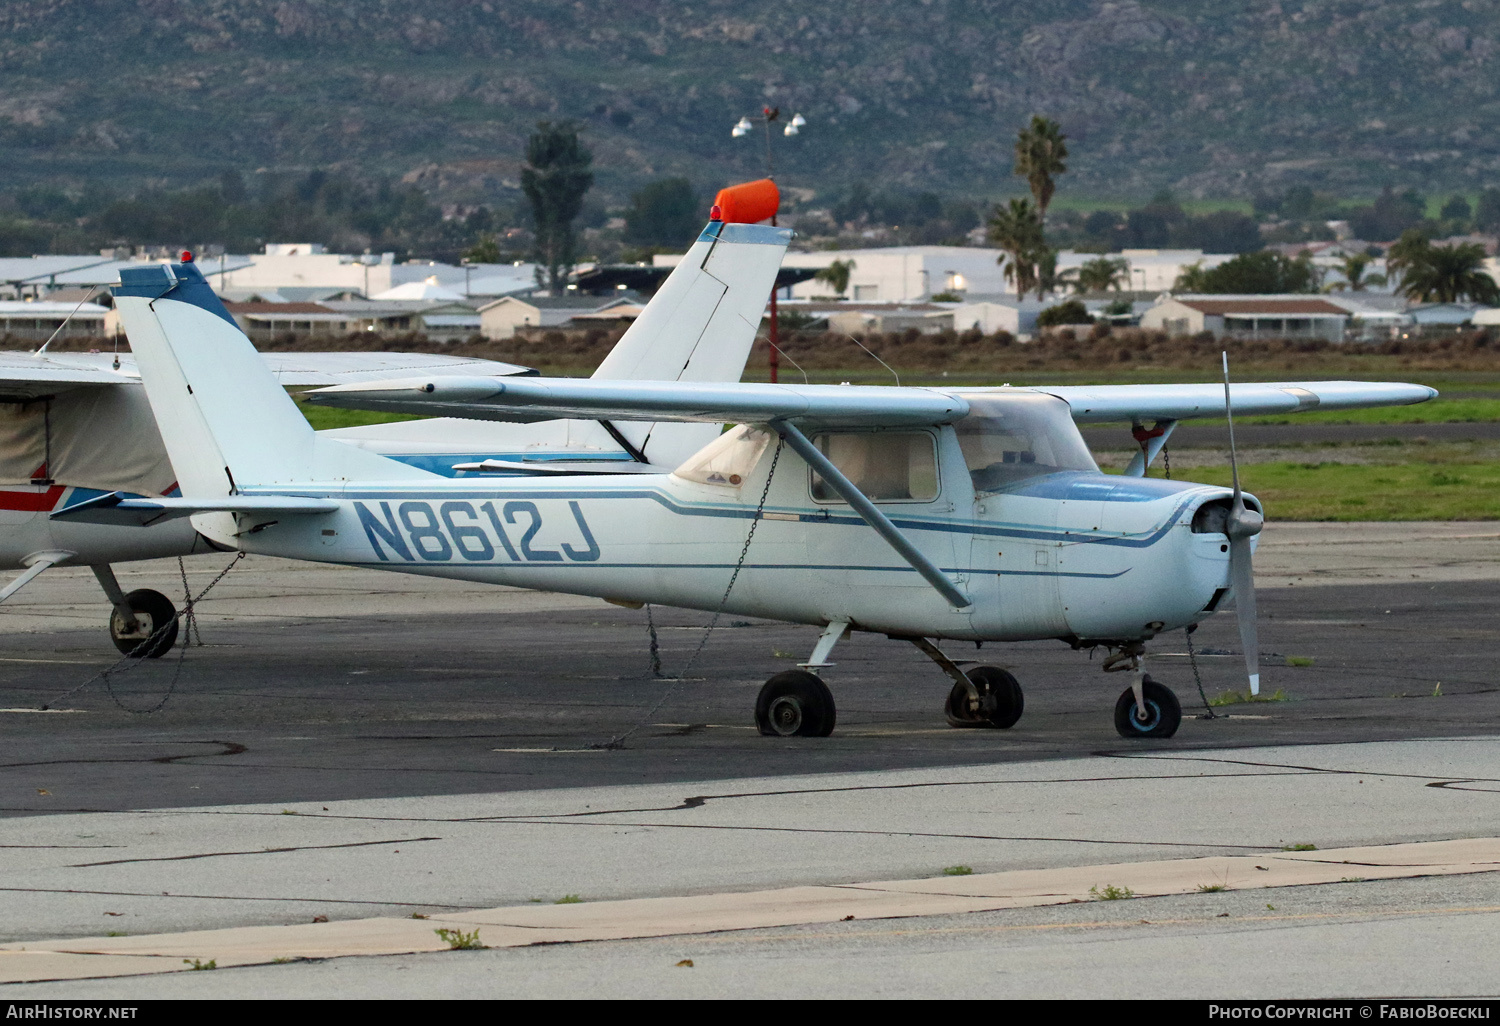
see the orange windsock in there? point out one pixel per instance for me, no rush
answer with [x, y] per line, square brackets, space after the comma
[748, 202]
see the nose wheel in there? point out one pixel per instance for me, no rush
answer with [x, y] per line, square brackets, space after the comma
[1163, 713]
[795, 703]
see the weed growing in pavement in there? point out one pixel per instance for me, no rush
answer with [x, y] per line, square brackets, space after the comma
[116, 933]
[198, 964]
[283, 960]
[457, 940]
[418, 915]
[1211, 888]
[289, 812]
[1299, 660]
[1299, 847]
[568, 899]
[1111, 893]
[1437, 691]
[1238, 697]
[957, 871]
[1351, 879]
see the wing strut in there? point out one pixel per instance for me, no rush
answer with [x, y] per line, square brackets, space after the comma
[870, 514]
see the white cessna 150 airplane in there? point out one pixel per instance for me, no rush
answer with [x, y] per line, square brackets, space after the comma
[74, 426]
[972, 514]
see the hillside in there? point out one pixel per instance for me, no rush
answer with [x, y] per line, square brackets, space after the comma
[1208, 99]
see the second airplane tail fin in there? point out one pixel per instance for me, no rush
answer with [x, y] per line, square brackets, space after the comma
[700, 326]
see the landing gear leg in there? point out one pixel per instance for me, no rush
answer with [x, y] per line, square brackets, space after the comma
[796, 703]
[984, 696]
[141, 616]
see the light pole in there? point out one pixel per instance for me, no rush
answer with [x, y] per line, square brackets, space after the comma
[745, 126]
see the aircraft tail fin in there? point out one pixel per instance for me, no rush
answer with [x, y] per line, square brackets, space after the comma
[226, 421]
[699, 326]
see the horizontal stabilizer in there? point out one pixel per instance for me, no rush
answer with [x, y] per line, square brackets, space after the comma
[533, 399]
[1094, 404]
[121, 510]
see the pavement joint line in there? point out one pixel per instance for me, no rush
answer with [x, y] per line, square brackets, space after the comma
[521, 926]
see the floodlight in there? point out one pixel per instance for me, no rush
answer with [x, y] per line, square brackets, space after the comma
[789, 130]
[798, 121]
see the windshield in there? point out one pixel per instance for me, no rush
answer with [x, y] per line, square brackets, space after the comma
[1011, 437]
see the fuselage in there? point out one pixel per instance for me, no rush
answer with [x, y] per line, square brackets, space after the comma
[1072, 554]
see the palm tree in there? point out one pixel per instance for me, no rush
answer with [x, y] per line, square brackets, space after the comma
[1041, 154]
[1048, 279]
[1355, 279]
[1449, 274]
[1407, 252]
[1102, 274]
[1016, 229]
[836, 275]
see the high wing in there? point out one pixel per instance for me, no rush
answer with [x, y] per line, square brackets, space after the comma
[306, 370]
[535, 399]
[30, 375]
[1093, 404]
[25, 376]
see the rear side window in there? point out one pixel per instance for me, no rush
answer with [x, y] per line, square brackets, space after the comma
[888, 466]
[728, 459]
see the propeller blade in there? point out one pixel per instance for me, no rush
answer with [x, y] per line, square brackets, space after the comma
[1243, 525]
[1234, 466]
[1242, 577]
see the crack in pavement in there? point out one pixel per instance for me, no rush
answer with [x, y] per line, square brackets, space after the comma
[230, 748]
[890, 833]
[1295, 767]
[699, 801]
[235, 897]
[257, 851]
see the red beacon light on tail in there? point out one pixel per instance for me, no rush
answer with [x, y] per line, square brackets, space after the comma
[747, 203]
[715, 213]
[187, 256]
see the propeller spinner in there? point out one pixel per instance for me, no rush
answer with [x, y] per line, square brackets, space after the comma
[1243, 524]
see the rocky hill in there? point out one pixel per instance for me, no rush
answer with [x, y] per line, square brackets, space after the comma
[1205, 98]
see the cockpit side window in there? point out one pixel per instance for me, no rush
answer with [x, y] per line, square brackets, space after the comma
[888, 466]
[1011, 437]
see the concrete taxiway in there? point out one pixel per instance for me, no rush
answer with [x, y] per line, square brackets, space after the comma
[364, 746]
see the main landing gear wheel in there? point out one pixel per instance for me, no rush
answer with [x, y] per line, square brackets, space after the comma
[1163, 712]
[153, 611]
[1000, 700]
[795, 704]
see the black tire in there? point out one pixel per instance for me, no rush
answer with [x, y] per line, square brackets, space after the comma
[795, 704]
[150, 606]
[1001, 701]
[1163, 709]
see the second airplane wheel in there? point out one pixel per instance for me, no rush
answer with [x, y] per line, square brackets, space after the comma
[153, 612]
[1163, 712]
[795, 704]
[1000, 700]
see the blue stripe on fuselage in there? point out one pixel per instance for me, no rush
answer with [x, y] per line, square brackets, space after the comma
[635, 491]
